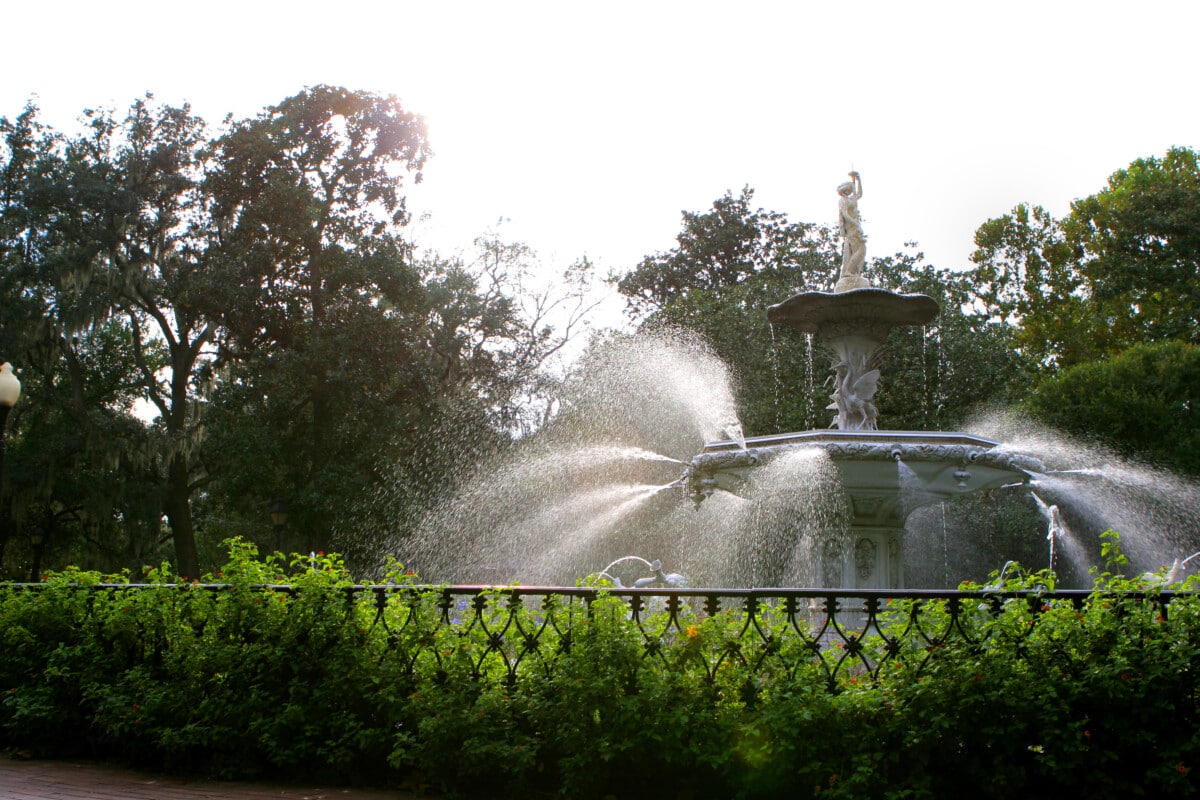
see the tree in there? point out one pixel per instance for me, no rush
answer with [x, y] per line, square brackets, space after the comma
[343, 350]
[728, 265]
[489, 351]
[1143, 401]
[143, 238]
[82, 459]
[932, 375]
[255, 293]
[716, 250]
[494, 328]
[1120, 269]
[1138, 248]
[324, 306]
[1026, 282]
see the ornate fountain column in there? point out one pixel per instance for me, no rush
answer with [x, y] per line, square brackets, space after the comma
[853, 324]
[874, 561]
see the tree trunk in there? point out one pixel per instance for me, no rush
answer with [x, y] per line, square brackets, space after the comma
[178, 507]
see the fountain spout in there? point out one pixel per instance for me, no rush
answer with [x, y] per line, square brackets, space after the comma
[1178, 567]
[1054, 525]
[672, 580]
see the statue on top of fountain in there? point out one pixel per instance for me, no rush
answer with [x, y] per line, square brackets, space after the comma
[854, 247]
[853, 321]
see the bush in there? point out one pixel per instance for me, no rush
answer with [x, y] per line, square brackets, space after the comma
[1138, 401]
[290, 670]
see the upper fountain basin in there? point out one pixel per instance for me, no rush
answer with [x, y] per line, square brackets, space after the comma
[816, 312]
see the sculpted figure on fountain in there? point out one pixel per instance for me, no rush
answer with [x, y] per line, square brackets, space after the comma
[854, 394]
[854, 246]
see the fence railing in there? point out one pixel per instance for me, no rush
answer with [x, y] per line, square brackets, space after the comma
[504, 632]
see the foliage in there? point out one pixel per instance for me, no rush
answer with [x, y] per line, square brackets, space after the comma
[1119, 270]
[931, 375]
[1140, 400]
[1024, 280]
[211, 322]
[1140, 244]
[1001, 690]
[716, 250]
[81, 471]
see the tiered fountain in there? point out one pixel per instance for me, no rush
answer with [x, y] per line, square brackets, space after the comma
[886, 474]
[817, 508]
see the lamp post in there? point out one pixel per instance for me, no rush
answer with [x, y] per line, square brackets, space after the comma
[10, 392]
[37, 538]
[279, 515]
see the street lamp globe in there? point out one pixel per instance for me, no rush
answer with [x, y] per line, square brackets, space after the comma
[10, 387]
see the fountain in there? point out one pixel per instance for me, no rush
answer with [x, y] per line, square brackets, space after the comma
[813, 508]
[886, 475]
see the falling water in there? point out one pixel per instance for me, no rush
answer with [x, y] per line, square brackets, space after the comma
[1156, 512]
[777, 387]
[912, 490]
[794, 507]
[1060, 538]
[945, 546]
[810, 387]
[603, 482]
[925, 398]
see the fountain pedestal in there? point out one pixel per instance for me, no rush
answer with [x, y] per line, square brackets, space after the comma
[872, 559]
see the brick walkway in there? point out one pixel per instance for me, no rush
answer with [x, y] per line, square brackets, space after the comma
[83, 780]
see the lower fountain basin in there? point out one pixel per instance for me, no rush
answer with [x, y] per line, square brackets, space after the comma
[886, 474]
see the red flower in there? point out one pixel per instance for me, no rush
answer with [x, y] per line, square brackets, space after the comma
[1182, 769]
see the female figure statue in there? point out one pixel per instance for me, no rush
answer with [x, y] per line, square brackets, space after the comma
[854, 248]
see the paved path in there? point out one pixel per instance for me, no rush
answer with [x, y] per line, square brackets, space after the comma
[85, 780]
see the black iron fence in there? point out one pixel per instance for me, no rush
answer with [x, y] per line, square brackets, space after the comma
[488, 633]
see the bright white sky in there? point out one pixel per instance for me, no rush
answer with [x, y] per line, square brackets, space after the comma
[590, 126]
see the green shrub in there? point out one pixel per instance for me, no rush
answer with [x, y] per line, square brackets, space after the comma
[289, 670]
